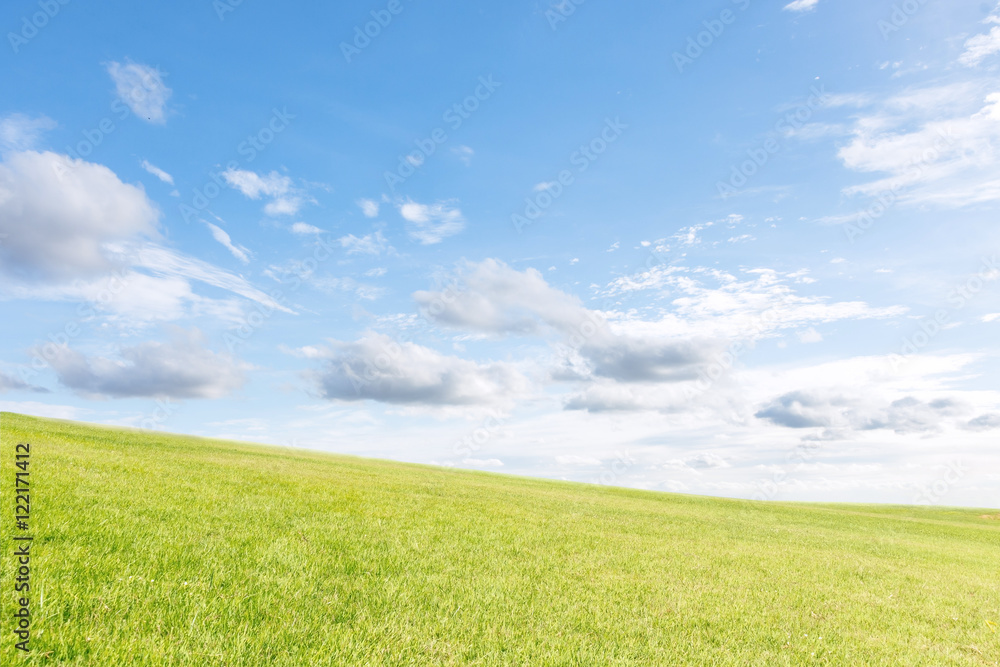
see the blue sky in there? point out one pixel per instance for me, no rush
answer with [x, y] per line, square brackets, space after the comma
[731, 248]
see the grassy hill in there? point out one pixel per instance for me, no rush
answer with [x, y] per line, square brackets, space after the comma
[154, 549]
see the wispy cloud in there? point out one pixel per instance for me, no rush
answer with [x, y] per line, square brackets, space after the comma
[156, 171]
[979, 47]
[141, 87]
[285, 199]
[432, 223]
[801, 5]
[368, 207]
[238, 251]
[20, 132]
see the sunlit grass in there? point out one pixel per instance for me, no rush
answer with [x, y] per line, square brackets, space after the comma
[155, 549]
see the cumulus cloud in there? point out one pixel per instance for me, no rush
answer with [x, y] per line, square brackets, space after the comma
[59, 216]
[612, 397]
[431, 223]
[810, 409]
[156, 171]
[492, 298]
[285, 199]
[141, 87]
[182, 368]
[254, 185]
[986, 422]
[10, 383]
[368, 207]
[303, 229]
[378, 368]
[19, 132]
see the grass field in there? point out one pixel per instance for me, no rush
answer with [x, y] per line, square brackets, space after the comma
[155, 549]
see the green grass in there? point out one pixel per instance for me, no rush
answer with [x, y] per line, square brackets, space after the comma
[155, 549]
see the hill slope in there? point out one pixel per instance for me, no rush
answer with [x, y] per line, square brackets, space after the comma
[155, 549]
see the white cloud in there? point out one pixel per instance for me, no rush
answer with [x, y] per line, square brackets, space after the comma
[992, 317]
[10, 383]
[483, 463]
[238, 251]
[183, 368]
[285, 200]
[621, 357]
[254, 185]
[330, 284]
[156, 171]
[59, 215]
[303, 229]
[283, 206]
[987, 422]
[371, 244]
[378, 368]
[498, 300]
[574, 460]
[167, 263]
[141, 87]
[19, 132]
[845, 412]
[801, 5]
[810, 335]
[464, 153]
[934, 145]
[979, 47]
[432, 223]
[368, 207]
[689, 235]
